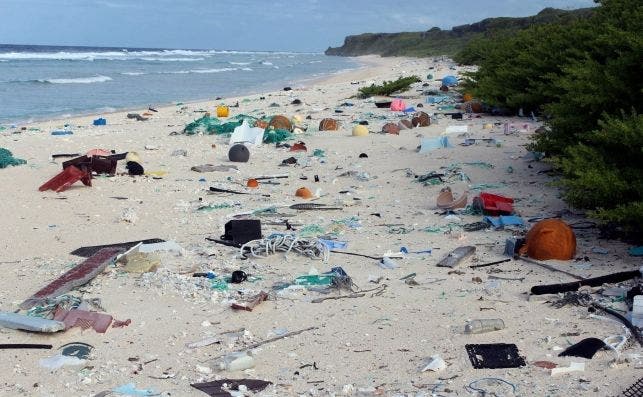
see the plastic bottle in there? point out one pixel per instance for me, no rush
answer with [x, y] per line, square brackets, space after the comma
[236, 361]
[484, 325]
[387, 263]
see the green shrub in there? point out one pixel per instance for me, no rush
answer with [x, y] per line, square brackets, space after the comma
[388, 87]
[606, 173]
[584, 75]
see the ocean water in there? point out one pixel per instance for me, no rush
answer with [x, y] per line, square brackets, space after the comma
[40, 82]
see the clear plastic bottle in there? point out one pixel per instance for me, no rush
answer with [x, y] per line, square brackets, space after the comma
[484, 325]
[387, 263]
[236, 361]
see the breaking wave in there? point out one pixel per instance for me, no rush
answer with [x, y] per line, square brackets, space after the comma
[158, 55]
[78, 80]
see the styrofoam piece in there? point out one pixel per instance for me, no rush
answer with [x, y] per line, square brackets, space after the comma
[573, 367]
[456, 129]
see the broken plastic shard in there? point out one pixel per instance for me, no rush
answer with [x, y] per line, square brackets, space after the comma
[170, 246]
[140, 262]
[28, 323]
[131, 390]
[236, 361]
[218, 388]
[60, 360]
[84, 319]
[434, 363]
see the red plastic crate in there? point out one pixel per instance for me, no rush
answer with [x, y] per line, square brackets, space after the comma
[66, 178]
[494, 205]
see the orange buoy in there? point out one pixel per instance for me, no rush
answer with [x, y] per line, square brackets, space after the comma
[280, 122]
[253, 183]
[550, 239]
[328, 124]
[223, 111]
[304, 193]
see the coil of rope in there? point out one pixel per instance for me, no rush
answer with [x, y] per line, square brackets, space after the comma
[280, 242]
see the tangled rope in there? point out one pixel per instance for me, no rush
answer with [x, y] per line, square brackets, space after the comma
[286, 243]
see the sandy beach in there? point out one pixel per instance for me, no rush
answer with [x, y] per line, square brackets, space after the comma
[366, 343]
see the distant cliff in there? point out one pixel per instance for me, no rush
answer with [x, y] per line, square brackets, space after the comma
[446, 42]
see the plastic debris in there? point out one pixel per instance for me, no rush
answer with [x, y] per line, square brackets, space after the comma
[246, 134]
[28, 323]
[494, 355]
[573, 367]
[219, 388]
[79, 275]
[434, 363]
[585, 348]
[483, 326]
[131, 390]
[456, 256]
[7, 159]
[429, 144]
[59, 360]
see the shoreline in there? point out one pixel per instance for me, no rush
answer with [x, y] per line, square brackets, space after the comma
[364, 62]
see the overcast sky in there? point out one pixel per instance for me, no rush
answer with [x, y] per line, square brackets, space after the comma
[291, 25]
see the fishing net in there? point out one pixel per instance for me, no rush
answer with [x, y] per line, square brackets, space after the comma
[213, 126]
[7, 159]
[276, 136]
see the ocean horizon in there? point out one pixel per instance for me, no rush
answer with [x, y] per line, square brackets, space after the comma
[40, 82]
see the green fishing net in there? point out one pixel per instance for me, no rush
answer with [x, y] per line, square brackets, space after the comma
[276, 136]
[7, 159]
[213, 126]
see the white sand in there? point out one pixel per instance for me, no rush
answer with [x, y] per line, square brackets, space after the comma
[373, 342]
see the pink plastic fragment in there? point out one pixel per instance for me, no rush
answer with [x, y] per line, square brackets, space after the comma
[84, 319]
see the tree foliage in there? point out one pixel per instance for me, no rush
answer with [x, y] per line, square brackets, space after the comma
[388, 87]
[585, 77]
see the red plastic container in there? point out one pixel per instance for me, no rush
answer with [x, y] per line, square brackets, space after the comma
[66, 178]
[493, 204]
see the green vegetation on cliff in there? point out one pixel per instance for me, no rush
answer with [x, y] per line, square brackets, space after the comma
[447, 42]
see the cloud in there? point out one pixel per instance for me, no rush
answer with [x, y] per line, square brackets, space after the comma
[298, 25]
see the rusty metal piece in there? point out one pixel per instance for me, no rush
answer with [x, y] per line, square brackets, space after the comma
[255, 301]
